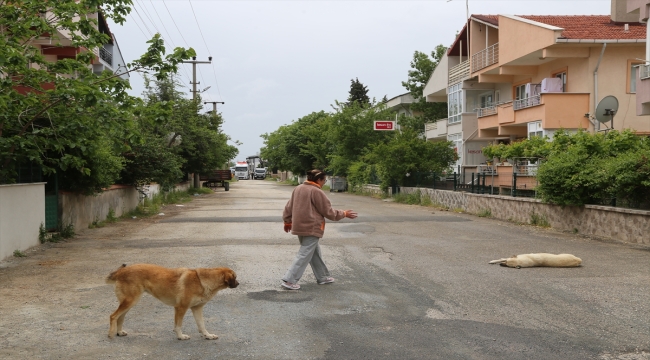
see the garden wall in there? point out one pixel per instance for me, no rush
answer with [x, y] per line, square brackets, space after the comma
[81, 211]
[626, 225]
[22, 211]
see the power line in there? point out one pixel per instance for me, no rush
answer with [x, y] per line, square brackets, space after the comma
[168, 36]
[146, 13]
[143, 22]
[179, 30]
[214, 71]
[138, 25]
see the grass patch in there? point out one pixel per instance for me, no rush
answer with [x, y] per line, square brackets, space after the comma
[539, 220]
[200, 191]
[64, 232]
[18, 253]
[110, 218]
[151, 206]
[484, 213]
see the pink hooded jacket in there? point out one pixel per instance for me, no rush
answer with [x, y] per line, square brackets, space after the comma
[307, 209]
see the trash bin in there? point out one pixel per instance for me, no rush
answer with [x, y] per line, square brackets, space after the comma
[338, 183]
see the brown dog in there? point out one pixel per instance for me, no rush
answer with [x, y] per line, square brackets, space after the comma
[181, 288]
[539, 259]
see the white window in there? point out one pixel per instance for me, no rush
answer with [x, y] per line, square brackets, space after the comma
[457, 144]
[535, 129]
[454, 103]
[486, 100]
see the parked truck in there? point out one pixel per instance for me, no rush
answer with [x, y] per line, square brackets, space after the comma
[241, 170]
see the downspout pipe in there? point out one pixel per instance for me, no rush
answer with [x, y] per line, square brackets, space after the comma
[602, 52]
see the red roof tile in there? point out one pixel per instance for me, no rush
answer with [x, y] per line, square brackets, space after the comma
[597, 27]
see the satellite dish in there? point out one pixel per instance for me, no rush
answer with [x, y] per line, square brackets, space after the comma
[606, 109]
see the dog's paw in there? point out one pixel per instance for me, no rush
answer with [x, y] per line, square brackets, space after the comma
[122, 333]
[211, 336]
[183, 337]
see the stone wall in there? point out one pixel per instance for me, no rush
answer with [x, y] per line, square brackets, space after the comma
[22, 212]
[626, 225]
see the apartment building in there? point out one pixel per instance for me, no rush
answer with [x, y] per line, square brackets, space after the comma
[511, 77]
[108, 57]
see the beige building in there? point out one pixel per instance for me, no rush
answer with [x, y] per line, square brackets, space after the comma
[510, 77]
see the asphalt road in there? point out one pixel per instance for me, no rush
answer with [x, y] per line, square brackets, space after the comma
[412, 283]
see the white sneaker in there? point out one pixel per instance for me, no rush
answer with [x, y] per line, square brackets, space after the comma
[290, 286]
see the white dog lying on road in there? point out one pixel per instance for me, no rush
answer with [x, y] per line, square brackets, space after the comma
[540, 259]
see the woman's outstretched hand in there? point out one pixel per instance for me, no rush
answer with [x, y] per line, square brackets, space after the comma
[351, 214]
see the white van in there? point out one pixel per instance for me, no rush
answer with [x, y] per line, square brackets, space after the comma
[260, 173]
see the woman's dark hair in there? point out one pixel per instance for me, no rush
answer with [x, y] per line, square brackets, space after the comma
[315, 175]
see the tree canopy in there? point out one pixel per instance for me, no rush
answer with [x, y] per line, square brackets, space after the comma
[60, 116]
[422, 67]
[358, 93]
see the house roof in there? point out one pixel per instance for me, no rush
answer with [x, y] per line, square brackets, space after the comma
[597, 27]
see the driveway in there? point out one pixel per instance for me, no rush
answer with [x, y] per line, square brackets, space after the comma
[412, 283]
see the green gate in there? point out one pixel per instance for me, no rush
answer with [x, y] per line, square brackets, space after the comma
[51, 202]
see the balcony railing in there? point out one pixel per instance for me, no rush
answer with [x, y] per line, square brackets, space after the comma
[487, 111]
[645, 71]
[431, 126]
[106, 56]
[459, 72]
[485, 57]
[527, 102]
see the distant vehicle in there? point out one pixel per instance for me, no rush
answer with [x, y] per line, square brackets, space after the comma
[241, 170]
[232, 170]
[260, 173]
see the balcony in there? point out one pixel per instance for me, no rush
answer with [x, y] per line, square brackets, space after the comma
[487, 111]
[644, 71]
[527, 102]
[485, 58]
[436, 130]
[459, 72]
[106, 56]
[554, 110]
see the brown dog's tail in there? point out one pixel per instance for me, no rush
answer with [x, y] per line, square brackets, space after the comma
[110, 279]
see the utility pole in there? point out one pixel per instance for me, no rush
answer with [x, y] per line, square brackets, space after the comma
[197, 179]
[214, 105]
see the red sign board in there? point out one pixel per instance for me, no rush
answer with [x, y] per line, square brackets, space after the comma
[384, 125]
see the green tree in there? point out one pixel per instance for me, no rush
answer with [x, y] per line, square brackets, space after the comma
[59, 115]
[422, 67]
[352, 134]
[408, 153]
[358, 93]
[185, 141]
[299, 146]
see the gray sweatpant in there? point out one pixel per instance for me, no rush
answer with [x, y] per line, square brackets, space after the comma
[309, 253]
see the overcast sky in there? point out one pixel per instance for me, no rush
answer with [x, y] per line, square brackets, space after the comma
[277, 61]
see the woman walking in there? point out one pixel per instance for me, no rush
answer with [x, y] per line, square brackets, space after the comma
[304, 215]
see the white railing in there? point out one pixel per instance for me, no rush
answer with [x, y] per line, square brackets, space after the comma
[645, 71]
[487, 111]
[459, 72]
[486, 169]
[527, 102]
[485, 57]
